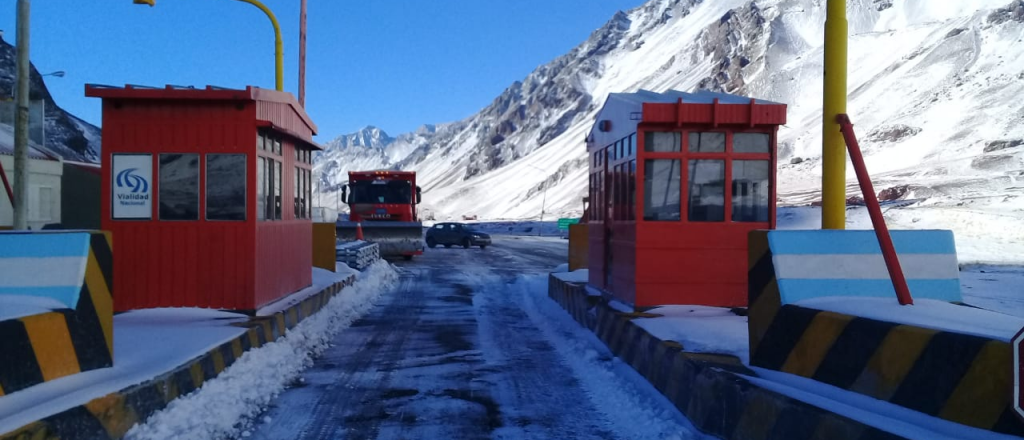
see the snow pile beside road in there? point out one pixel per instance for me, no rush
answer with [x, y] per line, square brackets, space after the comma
[632, 406]
[927, 313]
[576, 276]
[225, 406]
[700, 329]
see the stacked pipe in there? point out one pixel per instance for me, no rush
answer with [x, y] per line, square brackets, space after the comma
[358, 254]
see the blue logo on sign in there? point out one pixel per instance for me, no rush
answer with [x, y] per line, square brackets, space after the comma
[128, 178]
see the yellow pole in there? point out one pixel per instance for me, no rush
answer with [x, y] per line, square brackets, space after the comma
[833, 148]
[278, 45]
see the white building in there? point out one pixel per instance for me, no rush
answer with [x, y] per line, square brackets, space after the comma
[45, 173]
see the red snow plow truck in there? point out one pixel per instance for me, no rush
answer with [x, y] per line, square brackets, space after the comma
[384, 204]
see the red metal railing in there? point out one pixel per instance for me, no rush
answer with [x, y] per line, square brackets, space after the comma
[892, 262]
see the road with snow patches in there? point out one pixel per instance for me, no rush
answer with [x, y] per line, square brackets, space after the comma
[470, 347]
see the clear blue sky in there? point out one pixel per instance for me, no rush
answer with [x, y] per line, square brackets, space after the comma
[395, 64]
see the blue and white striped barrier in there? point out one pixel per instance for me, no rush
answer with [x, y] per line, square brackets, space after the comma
[44, 265]
[816, 263]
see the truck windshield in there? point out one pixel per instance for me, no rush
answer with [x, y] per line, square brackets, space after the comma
[381, 191]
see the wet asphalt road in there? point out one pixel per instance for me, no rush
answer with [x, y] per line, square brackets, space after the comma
[450, 355]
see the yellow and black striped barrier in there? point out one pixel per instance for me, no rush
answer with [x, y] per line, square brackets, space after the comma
[962, 378]
[111, 416]
[714, 391]
[47, 346]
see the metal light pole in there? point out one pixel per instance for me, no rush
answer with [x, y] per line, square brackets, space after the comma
[833, 147]
[302, 54]
[21, 119]
[278, 45]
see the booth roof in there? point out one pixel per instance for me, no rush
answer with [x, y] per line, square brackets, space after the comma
[249, 93]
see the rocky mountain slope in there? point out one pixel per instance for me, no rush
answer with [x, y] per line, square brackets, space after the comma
[933, 87]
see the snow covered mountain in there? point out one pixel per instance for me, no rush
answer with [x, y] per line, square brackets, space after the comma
[933, 92]
[66, 135]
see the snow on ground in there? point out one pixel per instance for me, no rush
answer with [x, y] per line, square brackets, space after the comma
[868, 410]
[925, 313]
[147, 343]
[17, 306]
[243, 390]
[700, 329]
[635, 408]
[998, 288]
[576, 276]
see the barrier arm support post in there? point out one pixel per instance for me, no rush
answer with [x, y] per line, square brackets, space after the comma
[892, 262]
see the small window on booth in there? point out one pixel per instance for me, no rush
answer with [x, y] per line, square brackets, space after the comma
[261, 188]
[261, 140]
[632, 145]
[661, 190]
[707, 191]
[662, 142]
[225, 187]
[277, 190]
[706, 142]
[179, 187]
[751, 190]
[632, 190]
[751, 143]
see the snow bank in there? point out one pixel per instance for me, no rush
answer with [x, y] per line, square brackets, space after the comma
[926, 313]
[576, 276]
[700, 329]
[626, 399]
[147, 343]
[998, 288]
[225, 406]
[561, 268]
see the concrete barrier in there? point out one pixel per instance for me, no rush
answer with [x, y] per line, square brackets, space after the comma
[111, 416]
[958, 377]
[73, 269]
[713, 391]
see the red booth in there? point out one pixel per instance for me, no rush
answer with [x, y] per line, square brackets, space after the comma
[196, 190]
[677, 180]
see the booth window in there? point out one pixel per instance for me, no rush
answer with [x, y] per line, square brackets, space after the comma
[662, 142]
[751, 190]
[707, 142]
[269, 189]
[706, 187]
[301, 183]
[179, 187]
[277, 190]
[751, 143]
[261, 188]
[225, 187]
[661, 190]
[632, 190]
[309, 194]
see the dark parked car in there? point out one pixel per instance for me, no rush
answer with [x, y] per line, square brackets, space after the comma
[456, 234]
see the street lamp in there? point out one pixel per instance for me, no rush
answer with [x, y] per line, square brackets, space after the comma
[278, 45]
[58, 74]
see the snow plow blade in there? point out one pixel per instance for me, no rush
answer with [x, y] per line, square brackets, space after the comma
[393, 238]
